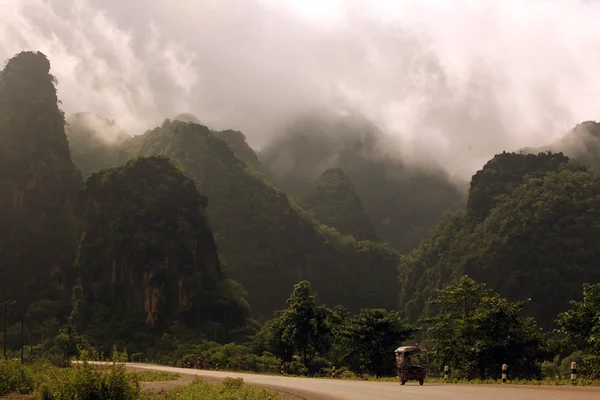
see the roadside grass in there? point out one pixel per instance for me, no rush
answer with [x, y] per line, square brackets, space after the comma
[154, 376]
[228, 389]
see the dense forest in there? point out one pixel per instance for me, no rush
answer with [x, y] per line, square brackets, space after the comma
[323, 249]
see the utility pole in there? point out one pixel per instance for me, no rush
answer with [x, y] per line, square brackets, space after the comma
[6, 304]
[22, 337]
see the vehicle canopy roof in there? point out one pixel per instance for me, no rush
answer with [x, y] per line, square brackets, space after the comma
[410, 349]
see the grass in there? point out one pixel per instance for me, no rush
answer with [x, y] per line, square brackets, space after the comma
[228, 389]
[154, 376]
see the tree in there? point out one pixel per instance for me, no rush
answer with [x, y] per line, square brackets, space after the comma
[370, 338]
[581, 325]
[306, 326]
[475, 331]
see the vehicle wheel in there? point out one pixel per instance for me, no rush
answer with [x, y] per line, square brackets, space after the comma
[421, 382]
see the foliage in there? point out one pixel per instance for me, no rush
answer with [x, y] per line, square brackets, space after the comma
[474, 331]
[581, 326]
[250, 217]
[148, 260]
[581, 144]
[335, 203]
[238, 145]
[538, 241]
[504, 173]
[310, 339]
[370, 338]
[85, 381]
[39, 187]
[61, 349]
[228, 389]
[15, 378]
[306, 326]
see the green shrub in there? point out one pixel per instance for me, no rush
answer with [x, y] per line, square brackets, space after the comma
[86, 382]
[15, 378]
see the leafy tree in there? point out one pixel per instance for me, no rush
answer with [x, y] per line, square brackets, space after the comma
[370, 338]
[581, 325]
[306, 326]
[475, 331]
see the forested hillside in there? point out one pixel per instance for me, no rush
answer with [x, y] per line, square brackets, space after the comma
[334, 202]
[148, 261]
[269, 243]
[403, 201]
[530, 232]
[178, 240]
[582, 143]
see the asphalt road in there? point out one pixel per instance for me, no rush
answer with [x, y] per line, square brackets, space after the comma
[335, 389]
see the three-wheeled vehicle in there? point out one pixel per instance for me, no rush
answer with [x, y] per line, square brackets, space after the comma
[411, 362]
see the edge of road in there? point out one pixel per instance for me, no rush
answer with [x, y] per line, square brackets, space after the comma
[307, 394]
[288, 393]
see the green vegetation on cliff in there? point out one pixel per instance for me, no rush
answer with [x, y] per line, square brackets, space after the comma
[582, 143]
[39, 189]
[267, 241]
[402, 201]
[530, 231]
[334, 202]
[148, 261]
[237, 143]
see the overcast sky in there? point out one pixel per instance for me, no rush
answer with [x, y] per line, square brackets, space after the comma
[451, 80]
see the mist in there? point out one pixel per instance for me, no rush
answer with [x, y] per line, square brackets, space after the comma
[450, 81]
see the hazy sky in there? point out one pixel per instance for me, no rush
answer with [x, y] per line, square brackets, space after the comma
[453, 80]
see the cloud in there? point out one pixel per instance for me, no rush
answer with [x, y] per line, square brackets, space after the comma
[454, 81]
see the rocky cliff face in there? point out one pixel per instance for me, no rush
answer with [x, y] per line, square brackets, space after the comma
[39, 186]
[148, 255]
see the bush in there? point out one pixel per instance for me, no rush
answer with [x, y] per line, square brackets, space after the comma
[85, 382]
[15, 378]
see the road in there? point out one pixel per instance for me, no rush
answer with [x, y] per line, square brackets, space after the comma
[335, 389]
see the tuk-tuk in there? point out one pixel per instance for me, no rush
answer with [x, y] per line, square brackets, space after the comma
[411, 362]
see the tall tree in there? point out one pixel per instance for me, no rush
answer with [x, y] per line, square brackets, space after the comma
[370, 338]
[581, 325]
[306, 326]
[475, 331]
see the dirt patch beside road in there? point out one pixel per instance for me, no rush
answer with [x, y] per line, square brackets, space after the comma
[162, 387]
